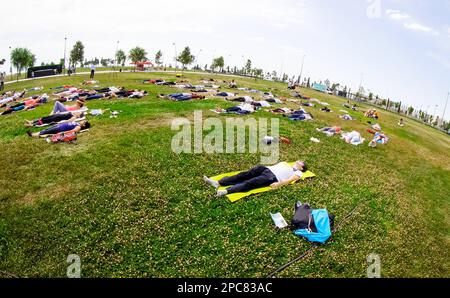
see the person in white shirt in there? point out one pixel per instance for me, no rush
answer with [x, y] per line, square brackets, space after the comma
[275, 176]
[92, 71]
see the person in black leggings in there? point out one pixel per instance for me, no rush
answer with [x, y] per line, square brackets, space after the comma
[56, 118]
[260, 176]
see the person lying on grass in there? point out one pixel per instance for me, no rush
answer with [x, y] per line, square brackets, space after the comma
[89, 82]
[281, 111]
[379, 138]
[353, 138]
[346, 117]
[56, 118]
[242, 109]
[275, 176]
[247, 99]
[330, 130]
[60, 108]
[181, 96]
[62, 127]
[300, 115]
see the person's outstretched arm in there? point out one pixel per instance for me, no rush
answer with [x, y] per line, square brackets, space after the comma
[285, 182]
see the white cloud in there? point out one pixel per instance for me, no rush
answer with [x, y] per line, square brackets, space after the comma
[409, 23]
[420, 28]
[397, 15]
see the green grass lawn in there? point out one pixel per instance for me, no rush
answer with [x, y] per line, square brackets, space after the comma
[130, 207]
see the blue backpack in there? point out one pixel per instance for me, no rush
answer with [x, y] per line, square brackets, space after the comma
[314, 225]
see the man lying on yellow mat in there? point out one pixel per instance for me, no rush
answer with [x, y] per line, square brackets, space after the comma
[260, 176]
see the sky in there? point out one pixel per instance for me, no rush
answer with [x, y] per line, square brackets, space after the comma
[399, 49]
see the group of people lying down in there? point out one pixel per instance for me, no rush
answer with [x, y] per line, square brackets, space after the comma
[65, 118]
[70, 93]
[23, 104]
[72, 126]
[275, 176]
[10, 96]
[248, 99]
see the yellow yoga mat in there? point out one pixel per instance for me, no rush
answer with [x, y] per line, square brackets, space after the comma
[240, 195]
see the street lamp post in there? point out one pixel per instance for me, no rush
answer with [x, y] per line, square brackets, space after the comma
[115, 58]
[176, 64]
[445, 107]
[65, 46]
[10, 63]
[196, 58]
[301, 70]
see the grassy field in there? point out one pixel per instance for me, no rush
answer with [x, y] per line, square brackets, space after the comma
[130, 207]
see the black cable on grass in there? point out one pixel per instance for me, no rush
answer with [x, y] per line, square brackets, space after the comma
[315, 245]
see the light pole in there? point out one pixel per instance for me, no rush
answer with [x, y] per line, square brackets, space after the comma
[360, 85]
[65, 45]
[196, 58]
[301, 70]
[115, 58]
[175, 47]
[445, 107]
[10, 63]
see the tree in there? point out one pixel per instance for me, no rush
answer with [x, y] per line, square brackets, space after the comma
[77, 53]
[274, 75]
[218, 63]
[410, 110]
[121, 58]
[248, 66]
[258, 72]
[137, 54]
[186, 58]
[105, 62]
[158, 57]
[22, 58]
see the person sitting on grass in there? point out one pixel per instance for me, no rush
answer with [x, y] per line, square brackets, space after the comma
[232, 84]
[401, 122]
[275, 176]
[62, 127]
[60, 108]
[56, 118]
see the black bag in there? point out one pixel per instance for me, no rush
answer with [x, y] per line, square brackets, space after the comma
[303, 218]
